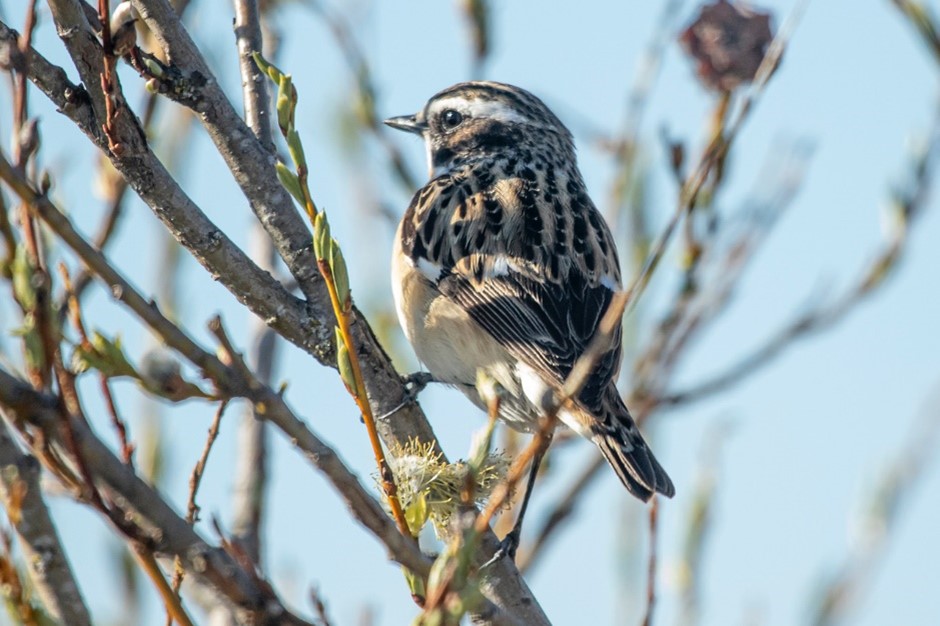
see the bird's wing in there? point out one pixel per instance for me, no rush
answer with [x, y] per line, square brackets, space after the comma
[527, 282]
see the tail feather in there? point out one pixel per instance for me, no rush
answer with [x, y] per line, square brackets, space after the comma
[626, 451]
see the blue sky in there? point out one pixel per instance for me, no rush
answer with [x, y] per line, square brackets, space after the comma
[811, 434]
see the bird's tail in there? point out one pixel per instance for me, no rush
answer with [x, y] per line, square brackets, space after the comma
[621, 443]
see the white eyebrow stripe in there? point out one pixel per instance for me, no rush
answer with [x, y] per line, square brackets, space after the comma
[489, 109]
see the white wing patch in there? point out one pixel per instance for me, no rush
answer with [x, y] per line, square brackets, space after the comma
[430, 270]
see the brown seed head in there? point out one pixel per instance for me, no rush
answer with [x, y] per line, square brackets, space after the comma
[728, 43]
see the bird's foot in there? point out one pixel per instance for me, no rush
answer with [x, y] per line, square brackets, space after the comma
[507, 548]
[414, 384]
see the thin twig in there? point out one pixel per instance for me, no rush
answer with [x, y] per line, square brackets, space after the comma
[560, 512]
[367, 93]
[192, 509]
[651, 567]
[171, 600]
[698, 523]
[365, 407]
[75, 311]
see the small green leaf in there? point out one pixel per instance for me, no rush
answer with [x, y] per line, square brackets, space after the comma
[285, 104]
[32, 342]
[417, 514]
[268, 68]
[113, 353]
[344, 364]
[290, 181]
[23, 286]
[340, 275]
[104, 355]
[415, 583]
[321, 237]
[296, 148]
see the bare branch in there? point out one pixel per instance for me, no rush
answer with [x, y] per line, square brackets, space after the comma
[42, 551]
[164, 529]
[250, 160]
[651, 566]
[234, 381]
[252, 286]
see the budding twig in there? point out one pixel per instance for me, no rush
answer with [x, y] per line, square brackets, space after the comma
[332, 266]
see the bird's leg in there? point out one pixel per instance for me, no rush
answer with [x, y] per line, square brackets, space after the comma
[510, 542]
[414, 384]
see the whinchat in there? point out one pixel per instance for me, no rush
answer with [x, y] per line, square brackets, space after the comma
[503, 264]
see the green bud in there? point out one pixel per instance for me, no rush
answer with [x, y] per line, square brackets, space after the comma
[417, 514]
[153, 68]
[322, 240]
[23, 286]
[344, 364]
[415, 583]
[290, 181]
[296, 148]
[285, 105]
[340, 275]
[269, 69]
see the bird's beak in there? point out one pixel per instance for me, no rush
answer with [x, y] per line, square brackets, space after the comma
[407, 123]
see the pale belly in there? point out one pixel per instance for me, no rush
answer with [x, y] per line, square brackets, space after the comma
[454, 348]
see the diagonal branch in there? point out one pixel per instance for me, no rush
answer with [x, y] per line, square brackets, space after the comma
[166, 531]
[250, 158]
[233, 381]
[43, 553]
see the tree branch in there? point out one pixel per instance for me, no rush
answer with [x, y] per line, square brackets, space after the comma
[250, 159]
[42, 551]
[304, 324]
[167, 532]
[251, 470]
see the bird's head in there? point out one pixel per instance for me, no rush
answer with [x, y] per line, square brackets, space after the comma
[474, 120]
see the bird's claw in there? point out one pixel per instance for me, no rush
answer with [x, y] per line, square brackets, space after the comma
[414, 384]
[507, 548]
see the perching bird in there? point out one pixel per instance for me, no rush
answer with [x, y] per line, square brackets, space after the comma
[503, 263]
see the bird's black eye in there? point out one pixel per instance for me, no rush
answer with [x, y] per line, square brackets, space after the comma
[450, 119]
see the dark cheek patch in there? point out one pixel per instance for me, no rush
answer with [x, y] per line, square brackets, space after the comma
[441, 157]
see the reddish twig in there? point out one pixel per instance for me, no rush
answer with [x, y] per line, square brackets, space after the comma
[192, 509]
[75, 313]
[651, 569]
